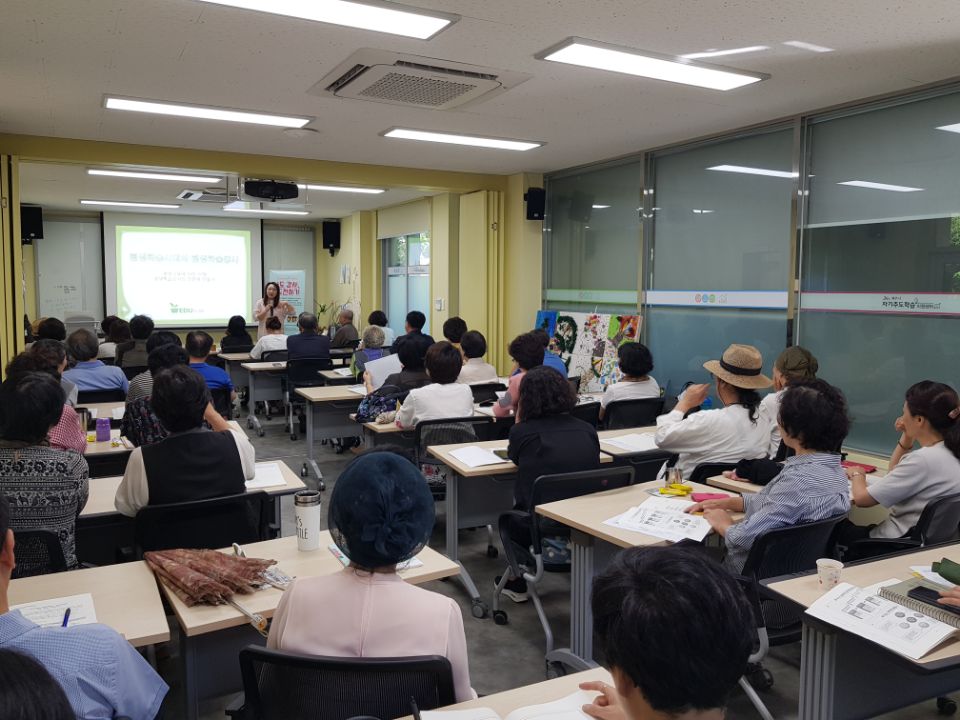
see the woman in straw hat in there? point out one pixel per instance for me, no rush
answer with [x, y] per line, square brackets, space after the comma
[381, 514]
[725, 435]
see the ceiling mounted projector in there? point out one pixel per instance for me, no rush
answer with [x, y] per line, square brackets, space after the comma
[270, 190]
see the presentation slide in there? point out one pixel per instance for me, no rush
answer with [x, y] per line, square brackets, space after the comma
[182, 276]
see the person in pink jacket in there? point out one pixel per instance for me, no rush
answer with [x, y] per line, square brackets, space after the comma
[527, 352]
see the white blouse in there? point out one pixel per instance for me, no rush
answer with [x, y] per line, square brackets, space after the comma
[436, 402]
[769, 412]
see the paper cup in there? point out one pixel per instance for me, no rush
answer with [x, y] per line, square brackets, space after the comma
[828, 573]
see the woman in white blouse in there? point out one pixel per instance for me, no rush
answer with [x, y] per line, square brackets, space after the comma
[444, 397]
[273, 340]
[725, 435]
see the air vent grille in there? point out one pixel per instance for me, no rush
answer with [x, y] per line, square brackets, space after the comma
[447, 70]
[398, 87]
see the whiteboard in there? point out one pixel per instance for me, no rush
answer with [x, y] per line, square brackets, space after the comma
[69, 261]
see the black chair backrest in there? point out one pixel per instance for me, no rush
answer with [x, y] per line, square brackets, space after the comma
[85, 397]
[447, 432]
[588, 412]
[274, 356]
[217, 361]
[792, 549]
[222, 402]
[38, 552]
[484, 392]
[701, 473]
[575, 383]
[205, 524]
[131, 371]
[305, 372]
[231, 349]
[646, 466]
[632, 413]
[279, 685]
[561, 486]
[939, 521]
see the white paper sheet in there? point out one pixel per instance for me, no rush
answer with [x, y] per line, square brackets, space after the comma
[634, 442]
[381, 368]
[49, 613]
[358, 389]
[344, 372]
[268, 475]
[117, 413]
[474, 456]
[663, 518]
[927, 573]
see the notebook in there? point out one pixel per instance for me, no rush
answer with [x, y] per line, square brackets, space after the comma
[567, 708]
[899, 594]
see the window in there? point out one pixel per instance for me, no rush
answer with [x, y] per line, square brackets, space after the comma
[406, 278]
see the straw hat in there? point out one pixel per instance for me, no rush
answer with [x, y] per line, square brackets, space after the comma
[741, 366]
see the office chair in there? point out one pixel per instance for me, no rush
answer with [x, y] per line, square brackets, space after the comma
[632, 413]
[701, 473]
[222, 402]
[302, 373]
[38, 552]
[588, 412]
[85, 397]
[131, 371]
[938, 523]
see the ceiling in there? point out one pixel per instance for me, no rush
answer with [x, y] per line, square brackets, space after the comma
[59, 57]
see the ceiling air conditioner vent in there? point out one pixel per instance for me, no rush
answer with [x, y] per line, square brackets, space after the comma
[206, 195]
[412, 81]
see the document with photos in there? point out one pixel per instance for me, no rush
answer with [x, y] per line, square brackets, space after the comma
[567, 708]
[663, 518]
[863, 612]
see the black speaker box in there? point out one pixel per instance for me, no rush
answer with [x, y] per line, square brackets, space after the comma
[536, 203]
[31, 223]
[331, 235]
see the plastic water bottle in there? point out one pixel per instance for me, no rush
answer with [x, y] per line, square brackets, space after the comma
[707, 403]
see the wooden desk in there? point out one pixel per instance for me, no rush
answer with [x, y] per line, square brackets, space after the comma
[873, 680]
[125, 598]
[213, 635]
[585, 516]
[113, 446]
[264, 384]
[238, 375]
[328, 417]
[442, 452]
[333, 377]
[738, 486]
[619, 452]
[105, 410]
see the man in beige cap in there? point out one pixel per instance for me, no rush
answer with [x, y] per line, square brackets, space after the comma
[725, 435]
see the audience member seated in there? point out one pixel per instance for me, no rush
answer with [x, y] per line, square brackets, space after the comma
[274, 339]
[915, 477]
[346, 334]
[309, 343]
[140, 424]
[191, 463]
[52, 354]
[142, 384]
[28, 691]
[676, 632]
[47, 488]
[550, 358]
[237, 338]
[548, 440]
[198, 346]
[51, 329]
[475, 371]
[444, 397]
[635, 363]
[105, 325]
[379, 318]
[67, 433]
[270, 305]
[415, 323]
[527, 353]
[727, 434]
[812, 485]
[453, 330]
[102, 675]
[119, 335]
[381, 514]
[134, 353]
[90, 373]
[411, 352]
[371, 348]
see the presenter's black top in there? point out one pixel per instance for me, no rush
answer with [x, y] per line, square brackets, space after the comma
[412, 333]
[193, 465]
[554, 444]
[309, 345]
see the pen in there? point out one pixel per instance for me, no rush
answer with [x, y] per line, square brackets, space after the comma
[414, 709]
[66, 617]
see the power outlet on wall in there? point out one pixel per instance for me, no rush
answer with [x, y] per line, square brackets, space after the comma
[438, 304]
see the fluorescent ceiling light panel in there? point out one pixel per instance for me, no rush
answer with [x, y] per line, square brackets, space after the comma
[721, 53]
[800, 45]
[452, 139]
[880, 186]
[152, 175]
[376, 16]
[204, 112]
[343, 189]
[600, 207]
[950, 128]
[247, 207]
[754, 171]
[701, 212]
[587, 53]
[119, 203]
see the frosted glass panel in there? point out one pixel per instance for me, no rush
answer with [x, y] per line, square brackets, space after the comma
[397, 303]
[418, 296]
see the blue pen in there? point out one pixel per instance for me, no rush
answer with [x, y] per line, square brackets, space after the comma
[66, 617]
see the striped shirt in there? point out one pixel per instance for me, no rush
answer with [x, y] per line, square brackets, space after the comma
[809, 488]
[140, 387]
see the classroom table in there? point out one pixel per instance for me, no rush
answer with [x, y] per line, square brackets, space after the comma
[335, 377]
[125, 597]
[328, 417]
[238, 374]
[585, 516]
[105, 410]
[619, 452]
[265, 383]
[476, 497]
[843, 675]
[213, 635]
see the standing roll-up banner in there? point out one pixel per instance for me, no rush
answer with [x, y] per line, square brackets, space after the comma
[292, 283]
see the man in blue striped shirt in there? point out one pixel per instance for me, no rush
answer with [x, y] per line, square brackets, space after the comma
[812, 485]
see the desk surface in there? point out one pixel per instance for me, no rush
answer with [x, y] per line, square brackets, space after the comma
[617, 451]
[335, 376]
[125, 597]
[105, 410]
[806, 589]
[328, 393]
[235, 357]
[276, 366]
[202, 619]
[114, 446]
[103, 490]
[588, 513]
[738, 486]
[442, 452]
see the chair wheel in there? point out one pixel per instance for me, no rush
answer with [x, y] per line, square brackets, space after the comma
[322, 485]
[250, 423]
[759, 677]
[946, 706]
[492, 552]
[303, 470]
[293, 436]
[500, 617]
[269, 416]
[260, 432]
[479, 609]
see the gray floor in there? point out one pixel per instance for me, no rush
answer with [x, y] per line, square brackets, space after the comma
[501, 657]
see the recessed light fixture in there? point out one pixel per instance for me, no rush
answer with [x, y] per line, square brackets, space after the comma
[754, 171]
[121, 203]
[204, 112]
[701, 212]
[377, 16]
[453, 139]
[721, 53]
[955, 128]
[800, 45]
[587, 53]
[267, 212]
[880, 186]
[600, 207]
[343, 189]
[152, 175]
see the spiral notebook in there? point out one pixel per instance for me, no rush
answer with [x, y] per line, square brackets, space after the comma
[898, 594]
